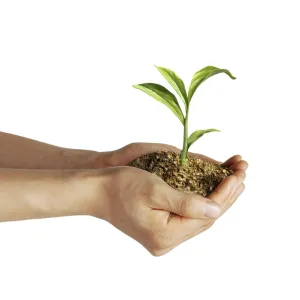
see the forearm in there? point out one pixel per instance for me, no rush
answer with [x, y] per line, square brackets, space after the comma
[32, 194]
[22, 153]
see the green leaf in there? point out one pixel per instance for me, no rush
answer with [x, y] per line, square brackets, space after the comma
[162, 95]
[202, 75]
[198, 134]
[176, 83]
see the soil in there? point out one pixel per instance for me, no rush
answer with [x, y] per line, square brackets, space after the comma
[197, 176]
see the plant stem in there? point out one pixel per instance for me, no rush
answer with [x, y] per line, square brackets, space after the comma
[183, 158]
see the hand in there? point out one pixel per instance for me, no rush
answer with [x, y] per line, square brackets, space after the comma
[139, 204]
[127, 154]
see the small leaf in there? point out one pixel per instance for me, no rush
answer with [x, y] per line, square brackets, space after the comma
[198, 134]
[176, 83]
[162, 95]
[202, 75]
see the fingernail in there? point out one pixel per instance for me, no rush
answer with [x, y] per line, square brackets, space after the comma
[212, 210]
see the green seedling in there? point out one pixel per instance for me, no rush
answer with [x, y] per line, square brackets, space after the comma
[164, 96]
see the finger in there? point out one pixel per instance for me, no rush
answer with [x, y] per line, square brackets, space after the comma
[187, 228]
[240, 175]
[238, 193]
[187, 205]
[232, 161]
[228, 163]
[223, 190]
[185, 235]
[241, 165]
[192, 228]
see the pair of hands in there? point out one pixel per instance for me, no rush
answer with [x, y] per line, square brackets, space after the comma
[140, 204]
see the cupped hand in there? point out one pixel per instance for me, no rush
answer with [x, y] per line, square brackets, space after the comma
[127, 154]
[140, 204]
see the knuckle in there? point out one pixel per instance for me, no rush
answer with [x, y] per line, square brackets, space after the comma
[132, 145]
[148, 193]
[159, 242]
[154, 252]
[153, 193]
[185, 204]
[158, 222]
[158, 253]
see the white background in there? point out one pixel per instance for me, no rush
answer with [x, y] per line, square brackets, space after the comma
[66, 75]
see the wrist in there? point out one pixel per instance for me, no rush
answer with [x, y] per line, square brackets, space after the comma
[66, 193]
[92, 192]
[85, 159]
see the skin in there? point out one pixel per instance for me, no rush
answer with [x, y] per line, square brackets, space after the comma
[39, 180]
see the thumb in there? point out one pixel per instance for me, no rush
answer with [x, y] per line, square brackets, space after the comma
[190, 205]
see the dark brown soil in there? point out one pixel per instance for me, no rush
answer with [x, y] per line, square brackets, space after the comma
[198, 176]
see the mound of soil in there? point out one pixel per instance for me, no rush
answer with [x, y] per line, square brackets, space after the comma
[197, 176]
